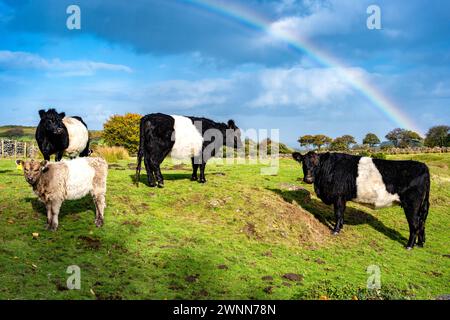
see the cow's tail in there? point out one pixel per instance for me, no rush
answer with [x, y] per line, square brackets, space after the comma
[426, 200]
[140, 154]
[424, 207]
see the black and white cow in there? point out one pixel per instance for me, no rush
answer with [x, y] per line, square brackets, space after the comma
[339, 178]
[58, 134]
[182, 137]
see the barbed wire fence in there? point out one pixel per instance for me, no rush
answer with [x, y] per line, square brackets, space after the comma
[17, 149]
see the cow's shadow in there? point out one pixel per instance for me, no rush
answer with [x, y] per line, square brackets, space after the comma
[325, 213]
[69, 207]
[167, 177]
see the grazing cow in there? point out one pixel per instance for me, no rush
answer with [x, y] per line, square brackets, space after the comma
[58, 134]
[182, 137]
[339, 178]
[67, 180]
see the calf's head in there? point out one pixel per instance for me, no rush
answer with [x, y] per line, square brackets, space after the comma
[52, 121]
[33, 170]
[236, 134]
[310, 162]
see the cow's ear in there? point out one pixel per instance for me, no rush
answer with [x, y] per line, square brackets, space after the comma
[62, 114]
[231, 125]
[41, 113]
[297, 156]
[44, 166]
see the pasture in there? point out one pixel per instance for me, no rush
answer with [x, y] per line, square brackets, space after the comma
[240, 236]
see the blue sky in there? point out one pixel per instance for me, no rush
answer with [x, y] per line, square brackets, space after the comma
[176, 57]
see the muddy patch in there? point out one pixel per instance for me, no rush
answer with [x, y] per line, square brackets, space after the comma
[293, 277]
[90, 242]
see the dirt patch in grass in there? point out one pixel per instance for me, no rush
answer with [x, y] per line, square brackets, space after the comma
[134, 223]
[89, 242]
[289, 220]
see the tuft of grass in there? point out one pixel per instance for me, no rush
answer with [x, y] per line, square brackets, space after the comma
[112, 154]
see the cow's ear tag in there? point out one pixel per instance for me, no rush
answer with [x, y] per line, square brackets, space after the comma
[19, 164]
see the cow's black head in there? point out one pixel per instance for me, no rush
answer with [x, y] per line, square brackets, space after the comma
[52, 121]
[310, 162]
[237, 143]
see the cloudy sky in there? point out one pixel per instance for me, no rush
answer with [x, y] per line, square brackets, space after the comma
[209, 58]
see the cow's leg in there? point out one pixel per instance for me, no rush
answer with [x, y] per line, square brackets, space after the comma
[150, 175]
[194, 169]
[423, 218]
[59, 156]
[100, 204]
[46, 157]
[159, 176]
[413, 222]
[411, 202]
[48, 206]
[339, 208]
[86, 151]
[202, 173]
[56, 206]
[412, 215]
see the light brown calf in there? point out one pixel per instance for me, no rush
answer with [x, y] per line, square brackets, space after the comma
[56, 182]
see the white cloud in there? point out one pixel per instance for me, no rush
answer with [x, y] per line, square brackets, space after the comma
[323, 18]
[299, 87]
[69, 68]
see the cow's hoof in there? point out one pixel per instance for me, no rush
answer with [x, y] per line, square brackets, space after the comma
[99, 223]
[335, 233]
[152, 185]
[409, 248]
[194, 178]
[202, 181]
[420, 245]
[160, 185]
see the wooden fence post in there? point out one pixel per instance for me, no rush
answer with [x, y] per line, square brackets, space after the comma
[3, 152]
[25, 150]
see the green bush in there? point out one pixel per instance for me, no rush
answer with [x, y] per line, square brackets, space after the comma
[379, 155]
[123, 131]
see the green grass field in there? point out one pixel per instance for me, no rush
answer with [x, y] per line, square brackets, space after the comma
[240, 236]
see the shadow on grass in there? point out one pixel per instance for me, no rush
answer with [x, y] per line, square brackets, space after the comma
[325, 214]
[69, 207]
[167, 177]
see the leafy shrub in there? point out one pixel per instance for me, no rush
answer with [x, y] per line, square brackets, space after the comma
[379, 155]
[112, 154]
[123, 131]
[364, 153]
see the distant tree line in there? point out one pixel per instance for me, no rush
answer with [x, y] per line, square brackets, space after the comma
[437, 136]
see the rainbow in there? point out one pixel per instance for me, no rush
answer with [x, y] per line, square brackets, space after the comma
[252, 20]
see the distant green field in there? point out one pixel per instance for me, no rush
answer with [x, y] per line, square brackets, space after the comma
[22, 133]
[17, 133]
[242, 235]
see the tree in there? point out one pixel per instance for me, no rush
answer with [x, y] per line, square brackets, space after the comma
[438, 136]
[342, 143]
[321, 140]
[123, 131]
[371, 139]
[403, 138]
[306, 140]
[348, 140]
